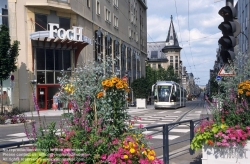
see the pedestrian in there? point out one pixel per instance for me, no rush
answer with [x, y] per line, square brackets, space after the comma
[59, 101]
[55, 102]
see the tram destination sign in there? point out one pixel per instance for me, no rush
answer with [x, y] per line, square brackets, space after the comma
[74, 34]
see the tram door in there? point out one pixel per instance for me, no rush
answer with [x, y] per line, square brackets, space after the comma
[42, 97]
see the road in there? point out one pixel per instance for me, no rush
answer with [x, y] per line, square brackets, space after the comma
[149, 117]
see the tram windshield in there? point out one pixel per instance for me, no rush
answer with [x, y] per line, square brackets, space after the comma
[163, 93]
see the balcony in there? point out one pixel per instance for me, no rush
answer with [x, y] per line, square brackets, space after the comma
[60, 1]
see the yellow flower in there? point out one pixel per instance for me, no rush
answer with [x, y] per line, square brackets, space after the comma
[151, 158]
[223, 126]
[104, 82]
[100, 94]
[130, 126]
[114, 80]
[38, 161]
[125, 156]
[132, 150]
[152, 153]
[240, 91]
[145, 152]
[119, 85]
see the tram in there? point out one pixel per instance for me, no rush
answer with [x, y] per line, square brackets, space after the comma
[168, 94]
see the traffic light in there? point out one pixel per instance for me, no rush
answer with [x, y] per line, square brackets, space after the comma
[230, 29]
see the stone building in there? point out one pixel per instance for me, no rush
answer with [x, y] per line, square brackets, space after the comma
[57, 35]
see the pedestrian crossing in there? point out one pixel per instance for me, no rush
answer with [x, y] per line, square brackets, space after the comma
[144, 119]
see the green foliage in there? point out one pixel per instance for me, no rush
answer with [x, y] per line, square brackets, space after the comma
[8, 53]
[47, 139]
[140, 87]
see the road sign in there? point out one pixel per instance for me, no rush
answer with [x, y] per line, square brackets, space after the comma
[226, 71]
[218, 78]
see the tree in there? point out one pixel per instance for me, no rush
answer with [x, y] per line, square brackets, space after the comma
[8, 55]
[140, 87]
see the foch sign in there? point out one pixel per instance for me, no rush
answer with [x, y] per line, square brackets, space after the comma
[74, 34]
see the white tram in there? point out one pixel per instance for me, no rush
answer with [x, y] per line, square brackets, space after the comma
[168, 94]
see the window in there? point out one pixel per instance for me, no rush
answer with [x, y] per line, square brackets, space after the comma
[40, 22]
[98, 46]
[107, 15]
[171, 59]
[154, 54]
[123, 59]
[154, 66]
[88, 3]
[64, 23]
[136, 37]
[115, 21]
[129, 32]
[98, 8]
[115, 3]
[49, 63]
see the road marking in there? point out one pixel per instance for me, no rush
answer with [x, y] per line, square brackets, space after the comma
[148, 132]
[145, 121]
[180, 130]
[171, 116]
[163, 112]
[166, 120]
[177, 111]
[19, 139]
[170, 137]
[197, 112]
[17, 135]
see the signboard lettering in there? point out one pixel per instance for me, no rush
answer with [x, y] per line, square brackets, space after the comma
[74, 34]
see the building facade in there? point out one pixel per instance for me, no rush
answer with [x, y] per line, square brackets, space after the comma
[57, 35]
[166, 53]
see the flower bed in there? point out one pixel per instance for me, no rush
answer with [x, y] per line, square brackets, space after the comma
[14, 119]
[99, 130]
[229, 129]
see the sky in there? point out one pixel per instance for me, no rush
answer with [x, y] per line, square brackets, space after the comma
[196, 24]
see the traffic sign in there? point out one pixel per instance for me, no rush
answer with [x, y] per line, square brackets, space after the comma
[218, 78]
[226, 71]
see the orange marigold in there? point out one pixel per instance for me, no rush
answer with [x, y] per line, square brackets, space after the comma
[119, 85]
[100, 94]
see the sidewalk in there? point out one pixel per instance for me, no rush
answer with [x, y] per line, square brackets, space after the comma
[50, 112]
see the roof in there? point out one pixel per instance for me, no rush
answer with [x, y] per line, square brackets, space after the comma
[171, 38]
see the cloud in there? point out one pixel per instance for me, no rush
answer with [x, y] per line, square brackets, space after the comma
[196, 28]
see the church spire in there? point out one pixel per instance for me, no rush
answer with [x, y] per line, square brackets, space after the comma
[171, 38]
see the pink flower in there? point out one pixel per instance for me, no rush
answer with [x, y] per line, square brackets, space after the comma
[140, 126]
[51, 155]
[218, 143]
[224, 141]
[104, 156]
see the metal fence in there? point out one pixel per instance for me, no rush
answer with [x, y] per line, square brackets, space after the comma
[166, 128]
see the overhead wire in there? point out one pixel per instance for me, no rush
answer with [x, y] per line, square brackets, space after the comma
[189, 40]
[180, 36]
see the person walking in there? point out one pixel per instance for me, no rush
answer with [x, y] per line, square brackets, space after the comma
[55, 101]
[59, 102]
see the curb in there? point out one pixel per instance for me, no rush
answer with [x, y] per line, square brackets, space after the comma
[10, 125]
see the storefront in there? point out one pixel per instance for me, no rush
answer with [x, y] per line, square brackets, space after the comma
[54, 51]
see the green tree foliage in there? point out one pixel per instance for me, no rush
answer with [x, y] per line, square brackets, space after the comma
[140, 87]
[8, 54]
